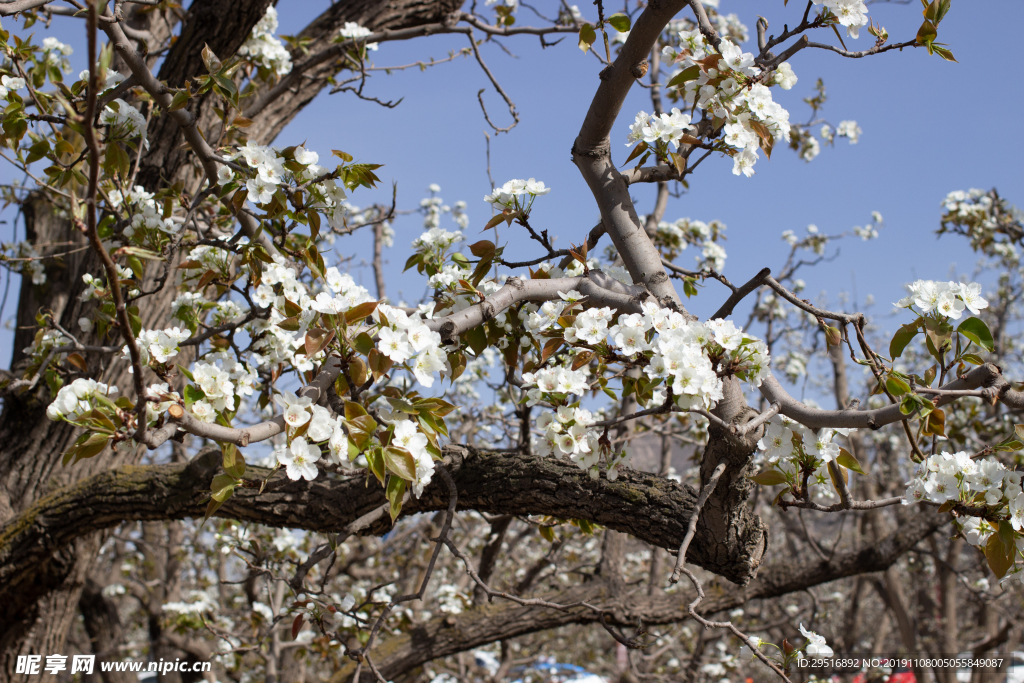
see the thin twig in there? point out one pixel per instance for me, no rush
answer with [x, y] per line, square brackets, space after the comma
[691, 527]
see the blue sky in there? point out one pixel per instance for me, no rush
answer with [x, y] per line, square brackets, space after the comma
[929, 127]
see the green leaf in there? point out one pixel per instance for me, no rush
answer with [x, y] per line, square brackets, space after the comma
[896, 386]
[193, 394]
[999, 561]
[222, 487]
[935, 423]
[179, 100]
[972, 359]
[234, 463]
[768, 477]
[403, 406]
[375, 459]
[414, 260]
[847, 460]
[363, 343]
[92, 446]
[926, 34]
[213, 65]
[587, 37]
[944, 52]
[903, 337]
[620, 22]
[477, 339]
[360, 312]
[977, 331]
[687, 74]
[1007, 536]
[316, 340]
[1009, 444]
[395, 492]
[354, 410]
[400, 461]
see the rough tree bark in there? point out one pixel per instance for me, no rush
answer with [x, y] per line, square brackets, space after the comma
[651, 508]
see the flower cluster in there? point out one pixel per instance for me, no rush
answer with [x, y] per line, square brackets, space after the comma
[984, 217]
[353, 31]
[957, 477]
[57, 53]
[274, 344]
[407, 436]
[666, 128]
[433, 246]
[816, 645]
[9, 84]
[147, 223]
[408, 340]
[850, 13]
[433, 207]
[785, 439]
[221, 378]
[77, 399]
[270, 172]
[944, 299]
[794, 450]
[45, 341]
[683, 356]
[311, 424]
[95, 288]
[722, 87]
[125, 121]
[961, 205]
[265, 50]
[870, 231]
[517, 194]
[158, 345]
[161, 397]
[675, 236]
[551, 384]
[565, 432]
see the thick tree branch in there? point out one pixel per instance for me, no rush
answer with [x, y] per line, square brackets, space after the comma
[651, 508]
[592, 155]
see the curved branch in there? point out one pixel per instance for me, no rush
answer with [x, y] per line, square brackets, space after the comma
[651, 508]
[591, 153]
[599, 288]
[987, 377]
[180, 419]
[9, 8]
[651, 174]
